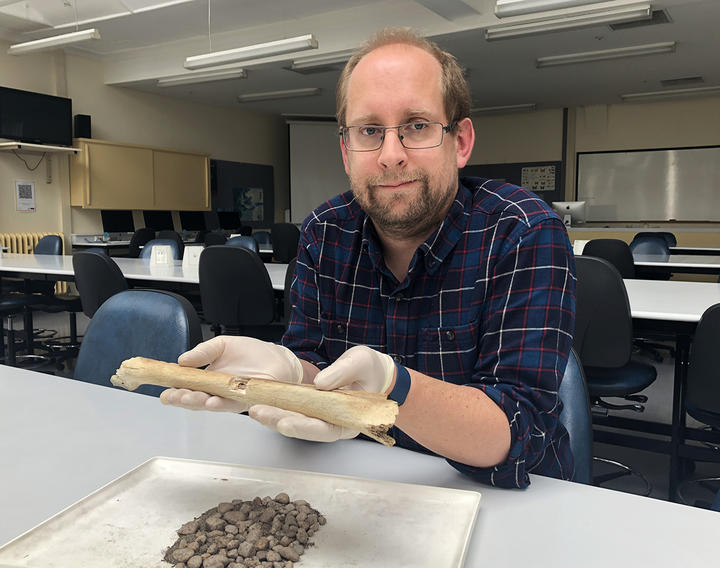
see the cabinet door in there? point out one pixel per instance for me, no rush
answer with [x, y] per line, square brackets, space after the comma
[181, 181]
[119, 177]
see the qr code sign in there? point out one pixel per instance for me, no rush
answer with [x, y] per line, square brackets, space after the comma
[25, 191]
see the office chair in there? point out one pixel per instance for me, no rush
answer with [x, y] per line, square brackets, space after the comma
[243, 241]
[97, 278]
[656, 245]
[670, 238]
[173, 236]
[215, 238]
[702, 398]
[245, 230]
[136, 323]
[603, 341]
[236, 293]
[285, 237]
[139, 238]
[575, 416]
[287, 303]
[175, 250]
[262, 238]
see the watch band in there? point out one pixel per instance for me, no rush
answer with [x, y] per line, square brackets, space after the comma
[402, 385]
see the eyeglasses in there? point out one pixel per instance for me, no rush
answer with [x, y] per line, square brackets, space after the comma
[412, 135]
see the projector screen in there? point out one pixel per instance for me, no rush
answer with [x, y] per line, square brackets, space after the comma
[316, 168]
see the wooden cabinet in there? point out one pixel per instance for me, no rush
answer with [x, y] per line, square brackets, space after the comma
[108, 175]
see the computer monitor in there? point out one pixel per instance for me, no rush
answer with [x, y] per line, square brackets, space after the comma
[117, 221]
[229, 220]
[193, 220]
[571, 212]
[158, 220]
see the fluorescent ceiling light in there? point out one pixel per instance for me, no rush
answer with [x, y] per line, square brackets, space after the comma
[674, 93]
[602, 54]
[568, 22]
[290, 93]
[322, 60]
[525, 107]
[195, 78]
[54, 41]
[279, 47]
[506, 8]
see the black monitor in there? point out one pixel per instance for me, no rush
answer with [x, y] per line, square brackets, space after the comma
[35, 117]
[229, 220]
[117, 221]
[192, 220]
[158, 220]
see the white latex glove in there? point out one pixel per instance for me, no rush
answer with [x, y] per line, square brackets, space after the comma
[245, 356]
[359, 368]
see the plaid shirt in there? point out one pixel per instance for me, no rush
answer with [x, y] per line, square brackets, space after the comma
[488, 302]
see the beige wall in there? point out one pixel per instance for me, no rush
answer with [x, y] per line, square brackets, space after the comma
[125, 115]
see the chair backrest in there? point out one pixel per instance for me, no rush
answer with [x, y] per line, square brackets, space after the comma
[174, 248]
[650, 243]
[703, 379]
[670, 238]
[246, 230]
[285, 237]
[215, 238]
[576, 418]
[97, 277]
[139, 238]
[262, 237]
[136, 323]
[49, 244]
[235, 288]
[603, 322]
[243, 241]
[616, 252]
[289, 277]
[173, 236]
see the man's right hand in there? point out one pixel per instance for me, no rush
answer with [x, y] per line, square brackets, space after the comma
[244, 356]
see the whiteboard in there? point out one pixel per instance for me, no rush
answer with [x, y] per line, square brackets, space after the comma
[316, 168]
[651, 185]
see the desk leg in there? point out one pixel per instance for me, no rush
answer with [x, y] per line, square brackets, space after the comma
[682, 358]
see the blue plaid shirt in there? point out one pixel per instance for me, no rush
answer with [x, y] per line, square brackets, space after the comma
[488, 302]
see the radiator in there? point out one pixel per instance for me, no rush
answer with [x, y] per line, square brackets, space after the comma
[24, 243]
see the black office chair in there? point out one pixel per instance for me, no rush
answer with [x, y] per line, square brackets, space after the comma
[262, 238]
[236, 293]
[136, 323]
[289, 277]
[138, 240]
[702, 398]
[245, 231]
[215, 238]
[175, 251]
[285, 237]
[603, 341]
[575, 416]
[97, 278]
[243, 241]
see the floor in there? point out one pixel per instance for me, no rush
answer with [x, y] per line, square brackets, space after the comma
[652, 466]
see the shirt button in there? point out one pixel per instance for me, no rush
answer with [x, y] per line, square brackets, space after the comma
[450, 335]
[431, 263]
[399, 359]
[340, 328]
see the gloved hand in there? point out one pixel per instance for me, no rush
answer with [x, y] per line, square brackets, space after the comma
[243, 356]
[359, 368]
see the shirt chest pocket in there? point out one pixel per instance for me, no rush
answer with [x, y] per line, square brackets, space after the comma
[339, 336]
[448, 353]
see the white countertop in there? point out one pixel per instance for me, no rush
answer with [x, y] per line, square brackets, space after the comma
[63, 439]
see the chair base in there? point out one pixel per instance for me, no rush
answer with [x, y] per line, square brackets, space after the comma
[622, 471]
[705, 490]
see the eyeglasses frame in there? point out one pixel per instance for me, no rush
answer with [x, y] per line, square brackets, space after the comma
[446, 128]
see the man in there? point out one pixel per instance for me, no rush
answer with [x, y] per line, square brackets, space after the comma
[454, 298]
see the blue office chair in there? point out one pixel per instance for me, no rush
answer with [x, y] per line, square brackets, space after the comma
[243, 241]
[575, 416]
[670, 238]
[262, 237]
[136, 323]
[650, 243]
[175, 249]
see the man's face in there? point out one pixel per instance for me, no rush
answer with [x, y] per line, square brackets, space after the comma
[406, 193]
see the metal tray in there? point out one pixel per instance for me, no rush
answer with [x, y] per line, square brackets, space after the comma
[131, 521]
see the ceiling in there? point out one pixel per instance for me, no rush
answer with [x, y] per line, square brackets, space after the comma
[144, 40]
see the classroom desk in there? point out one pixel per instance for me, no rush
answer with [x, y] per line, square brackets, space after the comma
[700, 251]
[59, 267]
[62, 439]
[680, 263]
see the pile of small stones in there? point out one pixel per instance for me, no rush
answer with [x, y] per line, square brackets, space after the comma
[262, 533]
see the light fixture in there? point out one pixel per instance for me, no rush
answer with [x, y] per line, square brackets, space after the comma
[324, 60]
[570, 21]
[54, 41]
[674, 93]
[525, 107]
[207, 77]
[279, 47]
[270, 95]
[603, 54]
[506, 8]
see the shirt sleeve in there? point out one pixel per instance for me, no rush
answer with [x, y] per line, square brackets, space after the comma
[527, 335]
